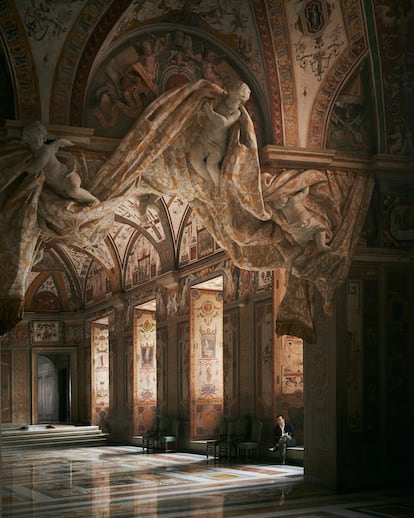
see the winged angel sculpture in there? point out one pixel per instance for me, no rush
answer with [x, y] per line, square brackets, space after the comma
[306, 221]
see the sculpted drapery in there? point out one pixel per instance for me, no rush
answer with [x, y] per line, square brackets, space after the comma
[245, 216]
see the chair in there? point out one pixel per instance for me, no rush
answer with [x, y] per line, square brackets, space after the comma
[150, 437]
[212, 444]
[241, 431]
[236, 432]
[224, 446]
[151, 440]
[168, 437]
[250, 447]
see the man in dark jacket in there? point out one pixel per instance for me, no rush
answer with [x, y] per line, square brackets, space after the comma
[284, 436]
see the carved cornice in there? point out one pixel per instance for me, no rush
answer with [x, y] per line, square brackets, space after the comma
[13, 129]
[286, 157]
[305, 158]
[382, 255]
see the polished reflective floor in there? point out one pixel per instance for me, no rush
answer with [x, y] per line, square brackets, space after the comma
[123, 481]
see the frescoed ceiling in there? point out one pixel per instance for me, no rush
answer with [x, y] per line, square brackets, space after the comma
[321, 73]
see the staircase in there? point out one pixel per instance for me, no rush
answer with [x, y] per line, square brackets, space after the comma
[38, 436]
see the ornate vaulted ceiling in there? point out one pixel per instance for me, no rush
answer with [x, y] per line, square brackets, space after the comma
[320, 71]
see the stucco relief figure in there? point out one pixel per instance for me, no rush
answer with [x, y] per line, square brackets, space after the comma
[64, 180]
[120, 94]
[209, 68]
[299, 223]
[147, 65]
[247, 218]
[41, 198]
[208, 150]
[168, 151]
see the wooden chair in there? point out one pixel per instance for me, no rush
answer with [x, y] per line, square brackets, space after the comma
[150, 438]
[212, 445]
[224, 447]
[249, 448]
[236, 432]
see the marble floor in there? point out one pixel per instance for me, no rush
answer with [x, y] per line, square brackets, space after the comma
[123, 481]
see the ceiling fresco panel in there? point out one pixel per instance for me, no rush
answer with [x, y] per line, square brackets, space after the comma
[47, 25]
[347, 60]
[152, 225]
[151, 62]
[351, 125]
[177, 210]
[232, 22]
[121, 236]
[286, 128]
[318, 37]
[97, 284]
[195, 242]
[90, 28]
[102, 253]
[143, 263]
[78, 259]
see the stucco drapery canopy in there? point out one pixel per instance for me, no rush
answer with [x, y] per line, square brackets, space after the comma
[153, 158]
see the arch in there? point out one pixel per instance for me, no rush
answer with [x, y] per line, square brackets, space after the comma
[23, 69]
[66, 263]
[40, 297]
[204, 244]
[97, 283]
[328, 92]
[144, 271]
[352, 125]
[85, 39]
[121, 85]
[7, 89]
[271, 29]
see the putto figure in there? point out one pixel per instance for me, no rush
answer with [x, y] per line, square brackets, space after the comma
[64, 180]
[208, 150]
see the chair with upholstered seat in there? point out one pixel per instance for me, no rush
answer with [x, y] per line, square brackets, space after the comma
[151, 440]
[168, 438]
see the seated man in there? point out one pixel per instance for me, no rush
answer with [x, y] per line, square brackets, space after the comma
[284, 436]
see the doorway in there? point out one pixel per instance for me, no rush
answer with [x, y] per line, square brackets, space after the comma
[206, 358]
[100, 393]
[53, 387]
[145, 367]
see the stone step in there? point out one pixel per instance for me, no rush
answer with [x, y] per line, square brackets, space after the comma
[37, 436]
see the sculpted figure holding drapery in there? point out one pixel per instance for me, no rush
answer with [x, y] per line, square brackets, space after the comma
[306, 221]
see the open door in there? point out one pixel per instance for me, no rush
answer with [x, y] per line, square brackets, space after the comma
[54, 386]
